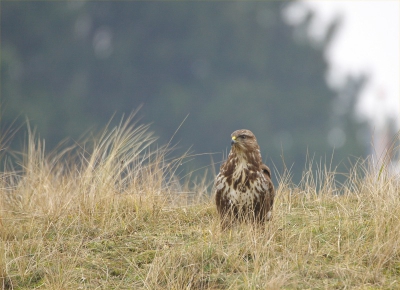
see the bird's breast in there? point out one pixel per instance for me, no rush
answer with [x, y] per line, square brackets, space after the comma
[244, 189]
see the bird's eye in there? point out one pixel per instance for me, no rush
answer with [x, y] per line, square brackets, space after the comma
[243, 136]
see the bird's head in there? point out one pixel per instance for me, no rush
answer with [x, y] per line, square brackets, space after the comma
[244, 141]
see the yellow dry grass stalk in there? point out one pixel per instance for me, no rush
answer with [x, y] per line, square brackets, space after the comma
[112, 216]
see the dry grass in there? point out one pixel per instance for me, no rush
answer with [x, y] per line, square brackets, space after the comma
[112, 216]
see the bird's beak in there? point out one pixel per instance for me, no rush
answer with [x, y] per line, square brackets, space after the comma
[233, 140]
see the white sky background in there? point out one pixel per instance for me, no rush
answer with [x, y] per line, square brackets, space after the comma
[367, 42]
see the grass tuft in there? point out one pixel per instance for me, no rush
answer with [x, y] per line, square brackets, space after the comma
[111, 214]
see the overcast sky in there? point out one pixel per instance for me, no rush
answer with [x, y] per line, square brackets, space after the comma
[367, 42]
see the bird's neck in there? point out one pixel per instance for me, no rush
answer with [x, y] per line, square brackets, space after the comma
[248, 159]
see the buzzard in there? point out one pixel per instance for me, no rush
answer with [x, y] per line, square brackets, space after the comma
[244, 190]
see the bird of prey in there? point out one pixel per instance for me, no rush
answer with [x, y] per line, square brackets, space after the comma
[244, 190]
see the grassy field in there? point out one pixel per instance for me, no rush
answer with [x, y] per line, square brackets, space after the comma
[111, 215]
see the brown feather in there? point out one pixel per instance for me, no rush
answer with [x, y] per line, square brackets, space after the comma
[244, 190]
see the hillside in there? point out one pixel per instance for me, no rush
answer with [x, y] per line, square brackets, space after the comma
[110, 215]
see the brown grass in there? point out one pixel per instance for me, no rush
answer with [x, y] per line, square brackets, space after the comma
[111, 215]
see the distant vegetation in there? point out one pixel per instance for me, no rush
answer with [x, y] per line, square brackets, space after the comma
[110, 214]
[69, 66]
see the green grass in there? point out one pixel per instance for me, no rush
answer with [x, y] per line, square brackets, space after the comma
[111, 216]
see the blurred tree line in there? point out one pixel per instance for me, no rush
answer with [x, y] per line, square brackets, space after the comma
[69, 66]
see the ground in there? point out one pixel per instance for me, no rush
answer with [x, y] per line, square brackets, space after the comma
[105, 224]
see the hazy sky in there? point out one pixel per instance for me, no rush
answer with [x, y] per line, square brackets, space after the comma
[368, 41]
